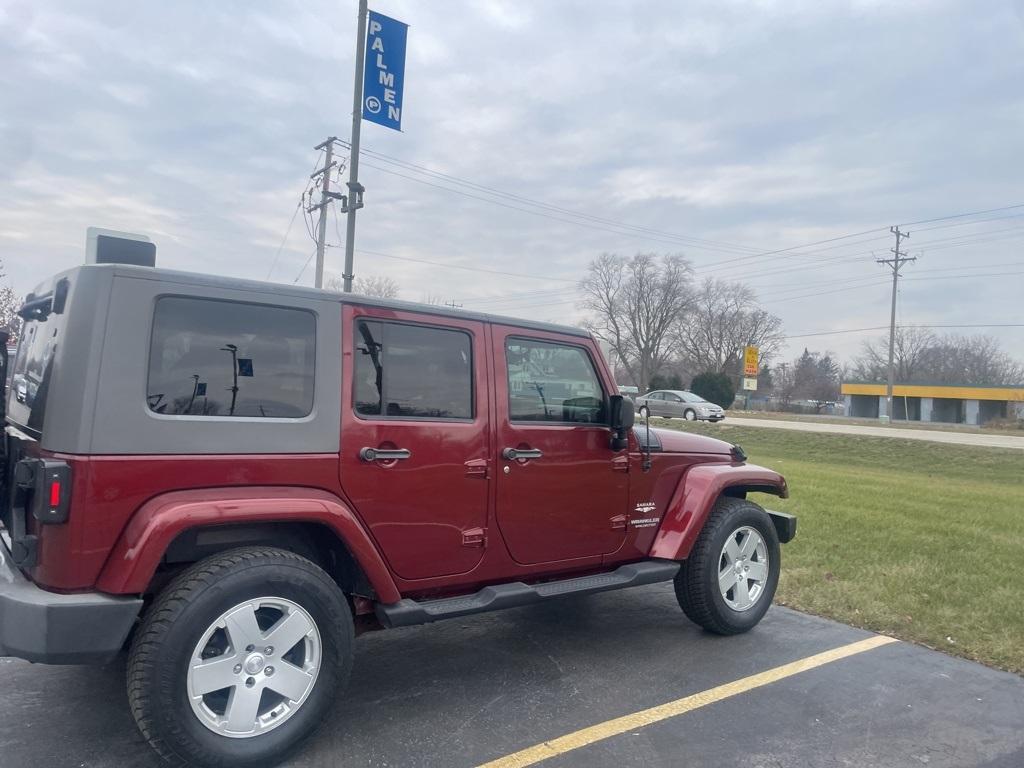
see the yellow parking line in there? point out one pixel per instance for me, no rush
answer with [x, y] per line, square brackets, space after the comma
[609, 728]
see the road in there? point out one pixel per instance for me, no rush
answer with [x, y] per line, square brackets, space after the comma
[929, 435]
[550, 684]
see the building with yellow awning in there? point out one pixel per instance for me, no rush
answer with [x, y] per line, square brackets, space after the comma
[942, 403]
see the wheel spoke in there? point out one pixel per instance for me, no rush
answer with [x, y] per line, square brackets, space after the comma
[289, 681]
[242, 627]
[750, 542]
[726, 580]
[214, 674]
[732, 549]
[741, 595]
[758, 571]
[287, 632]
[243, 706]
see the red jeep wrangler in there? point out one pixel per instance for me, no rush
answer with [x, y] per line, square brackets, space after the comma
[228, 477]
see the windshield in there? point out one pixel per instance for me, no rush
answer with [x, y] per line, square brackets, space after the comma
[689, 397]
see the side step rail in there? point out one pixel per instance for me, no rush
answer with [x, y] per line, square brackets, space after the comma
[407, 612]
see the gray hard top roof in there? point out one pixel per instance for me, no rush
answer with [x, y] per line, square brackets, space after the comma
[282, 291]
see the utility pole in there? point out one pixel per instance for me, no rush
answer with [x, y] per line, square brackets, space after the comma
[354, 200]
[326, 197]
[899, 258]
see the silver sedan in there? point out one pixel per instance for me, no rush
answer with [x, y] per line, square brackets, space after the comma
[679, 404]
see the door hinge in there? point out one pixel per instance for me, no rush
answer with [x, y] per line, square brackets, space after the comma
[474, 537]
[620, 463]
[619, 522]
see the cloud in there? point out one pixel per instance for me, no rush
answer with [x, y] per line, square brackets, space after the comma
[756, 125]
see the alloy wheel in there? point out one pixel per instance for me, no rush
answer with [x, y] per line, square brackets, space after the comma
[743, 569]
[254, 667]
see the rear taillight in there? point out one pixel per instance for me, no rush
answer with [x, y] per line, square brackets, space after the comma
[45, 485]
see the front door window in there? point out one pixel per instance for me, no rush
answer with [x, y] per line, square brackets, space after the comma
[560, 494]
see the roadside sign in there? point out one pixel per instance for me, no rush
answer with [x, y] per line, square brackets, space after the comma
[245, 366]
[384, 71]
[750, 366]
[750, 385]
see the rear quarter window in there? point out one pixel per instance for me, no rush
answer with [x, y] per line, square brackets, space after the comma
[32, 371]
[218, 358]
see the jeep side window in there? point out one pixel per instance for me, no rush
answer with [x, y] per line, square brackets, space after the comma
[224, 358]
[412, 371]
[552, 382]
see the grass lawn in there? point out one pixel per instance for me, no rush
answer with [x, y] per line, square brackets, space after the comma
[917, 540]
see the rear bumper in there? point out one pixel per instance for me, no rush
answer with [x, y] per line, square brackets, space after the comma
[49, 628]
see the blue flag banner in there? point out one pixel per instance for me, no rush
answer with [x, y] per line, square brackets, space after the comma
[384, 71]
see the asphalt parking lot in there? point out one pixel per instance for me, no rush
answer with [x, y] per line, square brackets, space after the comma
[487, 689]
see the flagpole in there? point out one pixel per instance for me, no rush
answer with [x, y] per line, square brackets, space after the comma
[355, 190]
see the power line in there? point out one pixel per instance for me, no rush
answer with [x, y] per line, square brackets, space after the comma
[463, 267]
[416, 168]
[909, 325]
[646, 231]
[829, 281]
[287, 232]
[929, 245]
[306, 264]
[302, 200]
[542, 214]
[697, 242]
[963, 215]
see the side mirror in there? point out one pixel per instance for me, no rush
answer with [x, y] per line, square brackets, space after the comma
[622, 414]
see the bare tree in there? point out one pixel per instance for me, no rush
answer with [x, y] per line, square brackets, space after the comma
[910, 349]
[971, 360]
[922, 356]
[635, 303]
[379, 286]
[784, 382]
[724, 319]
[10, 302]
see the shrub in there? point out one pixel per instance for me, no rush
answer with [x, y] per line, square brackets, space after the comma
[715, 387]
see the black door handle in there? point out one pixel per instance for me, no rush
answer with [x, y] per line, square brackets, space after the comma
[384, 454]
[522, 453]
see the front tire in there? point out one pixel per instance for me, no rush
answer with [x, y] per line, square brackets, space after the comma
[239, 659]
[727, 583]
[690, 415]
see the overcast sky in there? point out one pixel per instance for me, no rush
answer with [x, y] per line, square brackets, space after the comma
[718, 130]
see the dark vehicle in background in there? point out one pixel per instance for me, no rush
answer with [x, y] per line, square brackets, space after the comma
[230, 478]
[679, 404]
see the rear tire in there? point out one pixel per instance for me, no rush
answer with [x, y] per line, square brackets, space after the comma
[217, 623]
[720, 558]
[643, 411]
